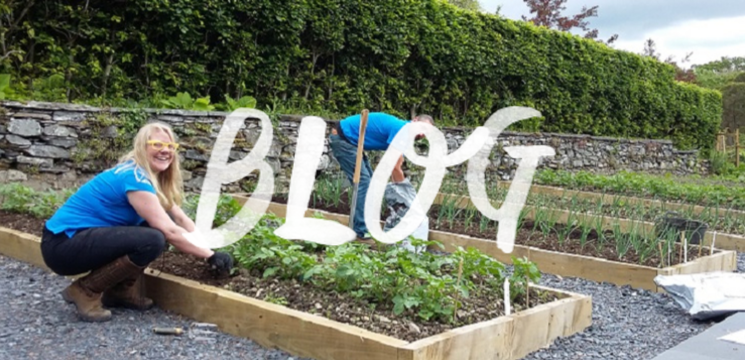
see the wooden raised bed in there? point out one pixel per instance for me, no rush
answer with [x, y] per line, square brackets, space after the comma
[723, 240]
[301, 334]
[719, 240]
[563, 264]
[589, 195]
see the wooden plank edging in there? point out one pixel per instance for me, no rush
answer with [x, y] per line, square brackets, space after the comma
[317, 337]
[559, 263]
[591, 195]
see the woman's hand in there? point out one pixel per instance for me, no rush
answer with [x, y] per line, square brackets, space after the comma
[221, 262]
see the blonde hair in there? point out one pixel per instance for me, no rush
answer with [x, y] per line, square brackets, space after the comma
[168, 184]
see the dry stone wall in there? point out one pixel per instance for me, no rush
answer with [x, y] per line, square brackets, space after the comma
[52, 145]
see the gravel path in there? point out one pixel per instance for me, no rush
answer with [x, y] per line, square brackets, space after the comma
[37, 324]
[626, 323]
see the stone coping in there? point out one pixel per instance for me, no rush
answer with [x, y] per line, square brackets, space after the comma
[51, 106]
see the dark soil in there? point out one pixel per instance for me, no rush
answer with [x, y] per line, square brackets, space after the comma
[343, 308]
[528, 235]
[342, 207]
[21, 222]
[730, 223]
[303, 296]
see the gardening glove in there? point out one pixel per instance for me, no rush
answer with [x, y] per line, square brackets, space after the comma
[221, 262]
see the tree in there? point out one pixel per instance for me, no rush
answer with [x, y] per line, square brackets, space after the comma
[472, 5]
[716, 74]
[725, 65]
[548, 13]
[684, 75]
[733, 105]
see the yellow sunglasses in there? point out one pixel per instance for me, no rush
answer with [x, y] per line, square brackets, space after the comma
[157, 145]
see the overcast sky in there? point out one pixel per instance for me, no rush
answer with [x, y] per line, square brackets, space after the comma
[708, 28]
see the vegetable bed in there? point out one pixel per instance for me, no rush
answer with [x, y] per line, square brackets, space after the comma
[352, 302]
[719, 218]
[554, 259]
[578, 234]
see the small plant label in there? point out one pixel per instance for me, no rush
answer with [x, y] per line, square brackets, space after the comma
[475, 150]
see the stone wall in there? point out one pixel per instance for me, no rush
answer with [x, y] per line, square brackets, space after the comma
[60, 145]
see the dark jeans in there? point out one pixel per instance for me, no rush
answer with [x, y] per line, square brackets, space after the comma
[346, 154]
[93, 248]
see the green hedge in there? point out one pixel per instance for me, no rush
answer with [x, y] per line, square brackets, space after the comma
[345, 55]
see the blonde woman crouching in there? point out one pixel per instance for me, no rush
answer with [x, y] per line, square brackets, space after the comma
[119, 222]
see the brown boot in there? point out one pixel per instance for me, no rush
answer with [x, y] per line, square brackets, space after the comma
[86, 292]
[87, 302]
[366, 241]
[129, 294]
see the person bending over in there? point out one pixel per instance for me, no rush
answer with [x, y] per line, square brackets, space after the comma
[381, 129]
[119, 222]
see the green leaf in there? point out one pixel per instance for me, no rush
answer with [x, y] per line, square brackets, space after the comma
[4, 81]
[270, 271]
[399, 305]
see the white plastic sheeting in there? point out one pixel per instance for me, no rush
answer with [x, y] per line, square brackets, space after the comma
[398, 198]
[706, 295]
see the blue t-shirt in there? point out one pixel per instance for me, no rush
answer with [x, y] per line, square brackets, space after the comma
[102, 201]
[380, 131]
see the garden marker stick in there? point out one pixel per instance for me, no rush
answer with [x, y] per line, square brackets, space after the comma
[713, 240]
[506, 291]
[680, 251]
[358, 165]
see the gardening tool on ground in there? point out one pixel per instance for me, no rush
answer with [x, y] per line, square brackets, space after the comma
[168, 331]
[358, 165]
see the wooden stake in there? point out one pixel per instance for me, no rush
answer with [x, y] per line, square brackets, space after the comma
[507, 309]
[358, 165]
[662, 257]
[737, 147]
[724, 143]
[457, 293]
[670, 254]
[713, 240]
[680, 249]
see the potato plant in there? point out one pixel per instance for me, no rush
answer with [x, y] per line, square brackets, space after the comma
[428, 286]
